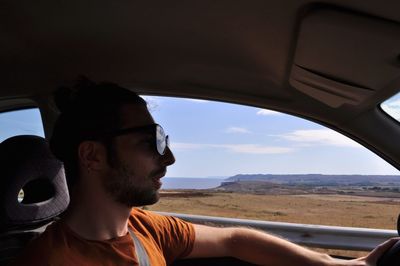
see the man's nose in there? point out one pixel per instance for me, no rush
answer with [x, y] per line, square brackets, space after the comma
[168, 158]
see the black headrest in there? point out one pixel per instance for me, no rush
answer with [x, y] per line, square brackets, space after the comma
[33, 188]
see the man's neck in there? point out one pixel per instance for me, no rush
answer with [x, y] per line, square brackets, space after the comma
[94, 217]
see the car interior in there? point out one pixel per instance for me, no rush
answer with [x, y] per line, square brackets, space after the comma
[28, 164]
[332, 62]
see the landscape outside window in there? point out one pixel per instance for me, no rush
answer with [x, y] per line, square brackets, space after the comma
[392, 106]
[244, 162]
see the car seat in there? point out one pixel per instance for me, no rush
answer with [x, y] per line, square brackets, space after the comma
[33, 192]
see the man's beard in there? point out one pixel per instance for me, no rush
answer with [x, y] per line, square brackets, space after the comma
[123, 187]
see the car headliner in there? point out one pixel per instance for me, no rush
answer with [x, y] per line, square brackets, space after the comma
[332, 62]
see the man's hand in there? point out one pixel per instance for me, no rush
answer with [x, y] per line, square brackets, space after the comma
[372, 258]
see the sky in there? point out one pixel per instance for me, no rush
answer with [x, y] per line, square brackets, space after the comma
[20, 122]
[213, 139]
[220, 139]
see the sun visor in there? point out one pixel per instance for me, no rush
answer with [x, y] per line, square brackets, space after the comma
[344, 58]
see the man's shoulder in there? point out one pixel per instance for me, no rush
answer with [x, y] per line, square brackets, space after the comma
[46, 239]
[39, 250]
[144, 217]
[142, 212]
[155, 222]
[141, 216]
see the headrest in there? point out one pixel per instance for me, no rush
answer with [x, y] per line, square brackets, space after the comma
[33, 188]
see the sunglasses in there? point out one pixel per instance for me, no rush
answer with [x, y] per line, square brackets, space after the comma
[161, 139]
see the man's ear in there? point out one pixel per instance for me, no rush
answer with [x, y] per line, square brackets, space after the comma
[92, 155]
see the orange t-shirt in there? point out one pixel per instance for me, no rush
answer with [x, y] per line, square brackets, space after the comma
[164, 239]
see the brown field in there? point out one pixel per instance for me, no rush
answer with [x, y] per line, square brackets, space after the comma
[338, 210]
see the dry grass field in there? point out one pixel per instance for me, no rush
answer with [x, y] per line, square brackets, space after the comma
[338, 210]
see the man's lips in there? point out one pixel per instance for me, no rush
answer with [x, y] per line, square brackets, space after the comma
[158, 176]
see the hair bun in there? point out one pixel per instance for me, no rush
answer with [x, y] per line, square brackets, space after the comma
[81, 92]
[63, 97]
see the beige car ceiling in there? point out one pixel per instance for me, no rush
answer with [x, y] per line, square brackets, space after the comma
[332, 62]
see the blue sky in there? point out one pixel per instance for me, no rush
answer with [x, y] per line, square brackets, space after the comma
[20, 122]
[219, 139]
[211, 139]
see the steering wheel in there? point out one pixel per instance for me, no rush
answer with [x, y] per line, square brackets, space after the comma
[391, 257]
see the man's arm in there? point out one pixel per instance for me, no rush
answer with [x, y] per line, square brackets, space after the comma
[264, 249]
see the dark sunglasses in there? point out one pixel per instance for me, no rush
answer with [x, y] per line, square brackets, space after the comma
[161, 139]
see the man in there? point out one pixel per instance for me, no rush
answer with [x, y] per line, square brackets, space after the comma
[114, 156]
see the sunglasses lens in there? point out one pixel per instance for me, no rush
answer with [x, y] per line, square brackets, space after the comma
[161, 139]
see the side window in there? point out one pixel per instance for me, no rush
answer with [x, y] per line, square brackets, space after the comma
[244, 162]
[21, 122]
[392, 106]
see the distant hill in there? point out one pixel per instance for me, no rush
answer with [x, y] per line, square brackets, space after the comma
[320, 180]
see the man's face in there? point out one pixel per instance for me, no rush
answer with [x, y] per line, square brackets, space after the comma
[133, 177]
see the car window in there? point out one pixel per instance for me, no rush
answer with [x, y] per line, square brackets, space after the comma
[245, 162]
[392, 106]
[21, 122]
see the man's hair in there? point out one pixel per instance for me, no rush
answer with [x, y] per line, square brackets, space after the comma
[86, 111]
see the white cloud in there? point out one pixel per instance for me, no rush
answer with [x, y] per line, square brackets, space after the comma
[320, 137]
[237, 148]
[268, 112]
[255, 149]
[185, 146]
[240, 130]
